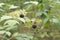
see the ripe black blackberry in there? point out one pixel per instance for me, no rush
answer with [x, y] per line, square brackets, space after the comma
[22, 15]
[34, 26]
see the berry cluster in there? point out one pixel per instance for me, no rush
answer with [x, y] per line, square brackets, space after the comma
[34, 25]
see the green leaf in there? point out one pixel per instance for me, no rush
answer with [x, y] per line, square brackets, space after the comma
[22, 36]
[11, 28]
[22, 20]
[46, 22]
[8, 33]
[15, 34]
[1, 28]
[27, 19]
[28, 24]
[55, 20]
[5, 32]
[33, 19]
[43, 35]
[13, 7]
[11, 22]
[32, 2]
[38, 20]
[1, 4]
[2, 32]
[5, 17]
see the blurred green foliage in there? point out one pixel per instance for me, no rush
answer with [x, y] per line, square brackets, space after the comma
[43, 14]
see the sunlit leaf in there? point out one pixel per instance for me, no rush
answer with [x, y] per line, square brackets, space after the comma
[11, 28]
[8, 33]
[1, 4]
[11, 22]
[54, 20]
[1, 28]
[22, 36]
[22, 20]
[13, 7]
[5, 17]
[2, 32]
[33, 2]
